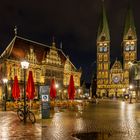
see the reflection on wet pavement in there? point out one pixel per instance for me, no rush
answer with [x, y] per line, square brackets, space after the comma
[92, 136]
[108, 120]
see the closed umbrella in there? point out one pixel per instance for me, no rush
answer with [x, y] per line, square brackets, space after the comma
[53, 89]
[71, 88]
[30, 89]
[16, 89]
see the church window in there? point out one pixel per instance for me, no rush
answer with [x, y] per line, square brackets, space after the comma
[129, 37]
[106, 74]
[105, 58]
[102, 76]
[100, 57]
[126, 66]
[105, 66]
[99, 75]
[126, 74]
[100, 49]
[103, 38]
[132, 56]
[105, 49]
[100, 66]
[126, 56]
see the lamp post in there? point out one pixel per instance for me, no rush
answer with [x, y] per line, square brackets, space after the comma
[5, 80]
[130, 88]
[57, 86]
[24, 65]
[123, 93]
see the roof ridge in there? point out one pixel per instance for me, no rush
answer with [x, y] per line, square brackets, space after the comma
[33, 41]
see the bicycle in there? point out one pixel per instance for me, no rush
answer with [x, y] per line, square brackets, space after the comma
[28, 113]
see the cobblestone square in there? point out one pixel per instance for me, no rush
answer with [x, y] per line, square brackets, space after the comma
[119, 119]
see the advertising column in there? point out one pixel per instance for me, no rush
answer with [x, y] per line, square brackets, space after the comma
[45, 102]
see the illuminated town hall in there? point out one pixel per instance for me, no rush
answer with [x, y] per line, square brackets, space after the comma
[46, 62]
[113, 77]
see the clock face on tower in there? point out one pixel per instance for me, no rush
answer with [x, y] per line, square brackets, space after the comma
[116, 79]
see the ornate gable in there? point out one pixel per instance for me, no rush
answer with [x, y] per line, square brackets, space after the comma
[116, 66]
[31, 56]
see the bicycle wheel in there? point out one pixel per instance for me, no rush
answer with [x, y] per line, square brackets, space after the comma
[20, 114]
[32, 117]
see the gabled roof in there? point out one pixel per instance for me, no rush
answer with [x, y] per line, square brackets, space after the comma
[117, 65]
[103, 29]
[19, 46]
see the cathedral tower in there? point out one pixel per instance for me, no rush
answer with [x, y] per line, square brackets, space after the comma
[103, 54]
[129, 44]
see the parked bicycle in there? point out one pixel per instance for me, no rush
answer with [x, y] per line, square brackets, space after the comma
[28, 114]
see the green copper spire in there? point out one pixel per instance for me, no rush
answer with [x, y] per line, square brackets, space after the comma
[129, 30]
[103, 30]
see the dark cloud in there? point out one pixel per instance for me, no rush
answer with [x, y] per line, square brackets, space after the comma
[74, 22]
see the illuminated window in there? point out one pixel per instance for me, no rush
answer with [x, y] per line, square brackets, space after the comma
[132, 56]
[99, 75]
[106, 74]
[106, 66]
[100, 57]
[102, 76]
[126, 56]
[105, 58]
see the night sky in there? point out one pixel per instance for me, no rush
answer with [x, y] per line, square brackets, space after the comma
[72, 22]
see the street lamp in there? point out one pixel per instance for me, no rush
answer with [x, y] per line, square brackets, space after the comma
[123, 93]
[57, 86]
[5, 80]
[130, 87]
[24, 65]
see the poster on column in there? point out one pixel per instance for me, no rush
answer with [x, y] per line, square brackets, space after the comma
[45, 101]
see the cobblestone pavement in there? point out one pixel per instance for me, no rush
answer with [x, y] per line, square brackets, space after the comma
[119, 119]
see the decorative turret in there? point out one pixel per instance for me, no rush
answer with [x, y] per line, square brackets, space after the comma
[15, 30]
[53, 43]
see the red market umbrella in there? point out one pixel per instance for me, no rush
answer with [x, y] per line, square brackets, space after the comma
[53, 89]
[30, 89]
[71, 88]
[16, 89]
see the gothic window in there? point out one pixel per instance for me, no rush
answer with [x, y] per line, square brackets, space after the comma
[105, 49]
[102, 76]
[126, 56]
[99, 75]
[105, 57]
[106, 66]
[126, 74]
[132, 56]
[101, 82]
[106, 74]
[100, 67]
[129, 37]
[100, 57]
[106, 81]
[103, 38]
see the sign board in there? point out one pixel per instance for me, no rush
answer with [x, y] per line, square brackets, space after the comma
[45, 101]
[45, 98]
